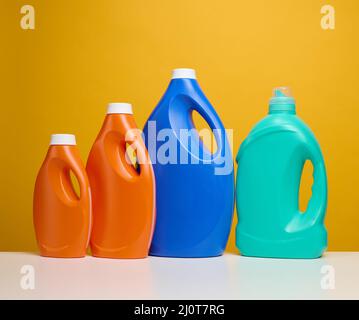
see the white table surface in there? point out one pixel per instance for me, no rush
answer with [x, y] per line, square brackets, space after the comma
[227, 277]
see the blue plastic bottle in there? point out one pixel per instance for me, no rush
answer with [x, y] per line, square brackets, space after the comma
[270, 164]
[194, 187]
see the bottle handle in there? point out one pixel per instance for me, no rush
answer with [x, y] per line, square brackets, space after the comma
[75, 168]
[212, 120]
[317, 204]
[134, 138]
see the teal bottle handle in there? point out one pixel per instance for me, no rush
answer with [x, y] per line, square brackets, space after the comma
[317, 204]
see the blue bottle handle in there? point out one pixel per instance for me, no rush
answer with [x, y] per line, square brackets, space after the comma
[212, 120]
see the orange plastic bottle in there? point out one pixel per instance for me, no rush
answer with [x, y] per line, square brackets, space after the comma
[123, 195]
[62, 219]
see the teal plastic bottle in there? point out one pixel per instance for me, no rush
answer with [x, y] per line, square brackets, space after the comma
[270, 164]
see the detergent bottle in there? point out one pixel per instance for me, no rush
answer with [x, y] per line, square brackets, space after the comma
[123, 192]
[270, 163]
[195, 186]
[62, 218]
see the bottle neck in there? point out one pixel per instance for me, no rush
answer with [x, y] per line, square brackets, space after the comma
[282, 109]
[118, 122]
[183, 85]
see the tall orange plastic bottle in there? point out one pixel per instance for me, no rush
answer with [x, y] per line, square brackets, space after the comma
[123, 195]
[62, 219]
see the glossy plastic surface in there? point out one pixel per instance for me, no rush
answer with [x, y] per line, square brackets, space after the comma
[270, 164]
[123, 196]
[62, 219]
[195, 200]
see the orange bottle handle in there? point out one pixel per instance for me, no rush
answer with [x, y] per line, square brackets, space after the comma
[134, 137]
[85, 192]
[74, 166]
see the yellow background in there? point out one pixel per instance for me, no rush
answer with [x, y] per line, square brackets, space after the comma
[84, 54]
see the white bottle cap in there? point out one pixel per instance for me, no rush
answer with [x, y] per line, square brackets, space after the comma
[63, 139]
[182, 73]
[119, 107]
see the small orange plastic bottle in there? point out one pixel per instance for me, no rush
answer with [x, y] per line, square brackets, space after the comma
[62, 219]
[123, 193]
